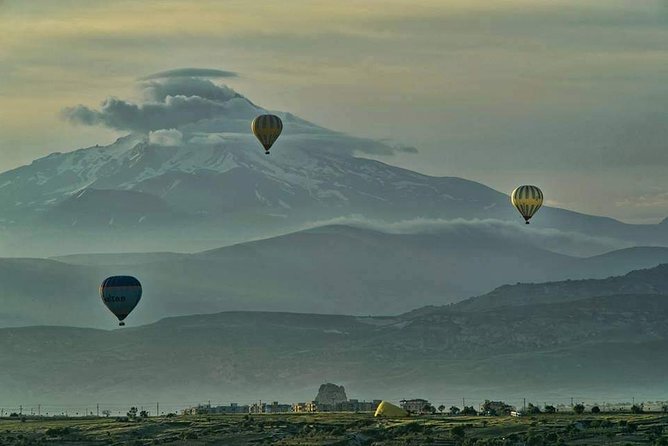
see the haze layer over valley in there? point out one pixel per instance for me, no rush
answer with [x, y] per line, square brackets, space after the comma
[547, 341]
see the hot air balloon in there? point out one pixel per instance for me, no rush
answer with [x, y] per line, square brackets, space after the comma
[121, 295]
[527, 200]
[389, 410]
[266, 129]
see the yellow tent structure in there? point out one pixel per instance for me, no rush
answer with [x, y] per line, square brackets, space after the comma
[389, 410]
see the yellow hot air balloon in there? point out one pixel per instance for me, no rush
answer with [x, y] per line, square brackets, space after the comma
[389, 410]
[266, 129]
[527, 200]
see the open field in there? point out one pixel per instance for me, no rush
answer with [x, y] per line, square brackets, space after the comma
[342, 429]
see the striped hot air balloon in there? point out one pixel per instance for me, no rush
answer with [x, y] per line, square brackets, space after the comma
[121, 295]
[267, 129]
[527, 200]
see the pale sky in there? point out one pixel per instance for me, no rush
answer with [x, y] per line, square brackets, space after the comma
[568, 95]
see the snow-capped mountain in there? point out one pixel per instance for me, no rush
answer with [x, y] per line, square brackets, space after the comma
[208, 179]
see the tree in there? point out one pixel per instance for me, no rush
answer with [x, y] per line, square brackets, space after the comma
[454, 410]
[106, 413]
[495, 408]
[579, 409]
[636, 409]
[428, 408]
[531, 409]
[469, 410]
[550, 409]
[132, 413]
[441, 408]
[595, 409]
[143, 414]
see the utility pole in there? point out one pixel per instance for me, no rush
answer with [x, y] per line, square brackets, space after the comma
[463, 403]
[157, 409]
[524, 404]
[98, 409]
[39, 410]
[571, 401]
[21, 409]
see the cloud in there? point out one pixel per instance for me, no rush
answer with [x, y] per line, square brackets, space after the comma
[488, 230]
[190, 72]
[169, 104]
[193, 105]
[207, 139]
[121, 115]
[158, 91]
[658, 199]
[167, 138]
[398, 147]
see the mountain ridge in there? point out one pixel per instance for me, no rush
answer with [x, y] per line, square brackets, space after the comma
[649, 281]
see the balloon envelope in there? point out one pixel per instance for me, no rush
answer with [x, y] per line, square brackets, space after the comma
[527, 199]
[266, 129]
[389, 410]
[121, 295]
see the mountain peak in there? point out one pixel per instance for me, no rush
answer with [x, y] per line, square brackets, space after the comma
[190, 152]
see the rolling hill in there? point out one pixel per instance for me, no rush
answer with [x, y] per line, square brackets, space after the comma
[592, 346]
[332, 269]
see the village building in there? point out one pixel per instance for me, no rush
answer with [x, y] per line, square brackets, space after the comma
[308, 407]
[416, 405]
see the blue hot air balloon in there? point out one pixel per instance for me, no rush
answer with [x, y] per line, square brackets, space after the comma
[121, 295]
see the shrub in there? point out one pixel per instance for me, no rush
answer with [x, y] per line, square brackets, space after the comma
[57, 431]
[552, 437]
[458, 432]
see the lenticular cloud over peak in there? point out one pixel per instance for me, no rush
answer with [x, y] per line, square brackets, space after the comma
[191, 72]
[159, 90]
[189, 102]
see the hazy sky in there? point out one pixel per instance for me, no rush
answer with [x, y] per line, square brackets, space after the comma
[569, 95]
